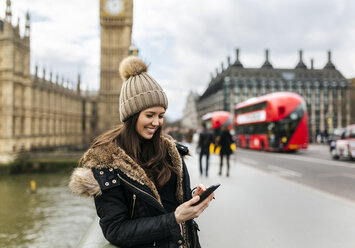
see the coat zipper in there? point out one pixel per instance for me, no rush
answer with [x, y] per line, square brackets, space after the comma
[134, 199]
[137, 188]
[134, 204]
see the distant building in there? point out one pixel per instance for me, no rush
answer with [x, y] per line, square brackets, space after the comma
[42, 112]
[326, 92]
[352, 81]
[190, 117]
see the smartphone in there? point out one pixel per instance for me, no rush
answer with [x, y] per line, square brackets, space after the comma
[205, 194]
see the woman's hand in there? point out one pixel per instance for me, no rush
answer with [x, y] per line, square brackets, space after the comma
[186, 212]
[199, 190]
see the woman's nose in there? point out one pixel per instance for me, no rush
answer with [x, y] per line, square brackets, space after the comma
[155, 121]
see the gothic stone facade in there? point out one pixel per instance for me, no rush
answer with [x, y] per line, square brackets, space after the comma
[40, 112]
[36, 112]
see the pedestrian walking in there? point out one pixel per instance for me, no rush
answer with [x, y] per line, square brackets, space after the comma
[138, 176]
[204, 142]
[225, 141]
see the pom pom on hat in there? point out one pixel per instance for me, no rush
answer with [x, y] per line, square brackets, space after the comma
[132, 66]
[139, 91]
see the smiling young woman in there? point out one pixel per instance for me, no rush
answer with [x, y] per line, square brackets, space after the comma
[138, 176]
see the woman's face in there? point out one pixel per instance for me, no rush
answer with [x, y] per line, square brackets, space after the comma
[149, 120]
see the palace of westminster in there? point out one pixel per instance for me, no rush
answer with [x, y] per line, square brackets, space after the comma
[42, 112]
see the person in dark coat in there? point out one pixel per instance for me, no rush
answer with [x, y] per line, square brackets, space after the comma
[137, 176]
[204, 142]
[225, 142]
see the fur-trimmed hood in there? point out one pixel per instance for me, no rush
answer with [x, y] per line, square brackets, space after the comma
[82, 181]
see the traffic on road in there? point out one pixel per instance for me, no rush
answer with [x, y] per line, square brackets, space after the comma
[303, 199]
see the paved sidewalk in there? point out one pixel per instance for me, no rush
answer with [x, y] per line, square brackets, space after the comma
[254, 209]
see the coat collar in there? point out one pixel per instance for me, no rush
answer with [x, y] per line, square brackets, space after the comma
[112, 156]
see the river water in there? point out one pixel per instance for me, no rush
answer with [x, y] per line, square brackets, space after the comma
[52, 217]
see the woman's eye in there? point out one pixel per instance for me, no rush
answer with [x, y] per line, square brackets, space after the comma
[161, 117]
[149, 116]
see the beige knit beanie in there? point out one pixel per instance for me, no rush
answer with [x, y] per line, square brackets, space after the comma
[139, 90]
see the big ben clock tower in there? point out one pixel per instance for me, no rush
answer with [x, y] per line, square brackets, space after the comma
[116, 18]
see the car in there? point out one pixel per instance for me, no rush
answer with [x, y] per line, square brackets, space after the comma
[333, 137]
[345, 145]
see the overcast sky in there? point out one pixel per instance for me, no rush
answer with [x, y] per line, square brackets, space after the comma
[185, 41]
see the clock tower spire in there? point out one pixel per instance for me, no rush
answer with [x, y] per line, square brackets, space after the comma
[8, 13]
[116, 19]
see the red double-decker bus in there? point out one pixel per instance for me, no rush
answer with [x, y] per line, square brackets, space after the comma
[216, 119]
[273, 122]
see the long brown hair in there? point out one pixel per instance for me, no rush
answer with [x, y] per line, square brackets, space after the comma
[151, 155]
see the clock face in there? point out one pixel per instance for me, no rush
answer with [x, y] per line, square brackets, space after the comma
[113, 7]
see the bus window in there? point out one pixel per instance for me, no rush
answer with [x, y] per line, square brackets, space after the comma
[262, 105]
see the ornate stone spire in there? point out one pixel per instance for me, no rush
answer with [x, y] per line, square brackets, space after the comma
[8, 13]
[36, 71]
[300, 64]
[28, 25]
[237, 62]
[78, 84]
[44, 73]
[329, 65]
[266, 64]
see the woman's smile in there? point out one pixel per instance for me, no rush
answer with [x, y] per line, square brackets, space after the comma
[151, 130]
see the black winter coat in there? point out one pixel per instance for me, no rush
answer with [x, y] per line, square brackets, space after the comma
[225, 142]
[204, 141]
[127, 202]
